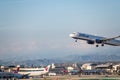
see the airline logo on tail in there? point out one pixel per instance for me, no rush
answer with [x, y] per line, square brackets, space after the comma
[47, 68]
[16, 71]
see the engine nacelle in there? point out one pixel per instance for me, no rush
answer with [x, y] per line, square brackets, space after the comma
[90, 42]
[99, 41]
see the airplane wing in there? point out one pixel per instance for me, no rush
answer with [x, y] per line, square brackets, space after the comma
[108, 39]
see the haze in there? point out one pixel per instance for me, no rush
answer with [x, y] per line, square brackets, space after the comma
[40, 28]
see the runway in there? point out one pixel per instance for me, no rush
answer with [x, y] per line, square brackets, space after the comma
[76, 77]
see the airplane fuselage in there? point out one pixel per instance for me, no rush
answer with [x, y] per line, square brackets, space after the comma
[92, 39]
[32, 71]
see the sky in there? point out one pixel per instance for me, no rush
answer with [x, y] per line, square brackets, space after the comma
[40, 28]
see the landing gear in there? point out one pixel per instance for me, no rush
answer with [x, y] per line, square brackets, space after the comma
[97, 45]
[76, 40]
[102, 44]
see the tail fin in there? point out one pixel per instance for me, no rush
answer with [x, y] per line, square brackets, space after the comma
[47, 68]
[16, 71]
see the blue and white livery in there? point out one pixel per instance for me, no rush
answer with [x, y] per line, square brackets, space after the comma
[92, 39]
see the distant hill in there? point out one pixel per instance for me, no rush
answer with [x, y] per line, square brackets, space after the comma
[93, 58]
[70, 58]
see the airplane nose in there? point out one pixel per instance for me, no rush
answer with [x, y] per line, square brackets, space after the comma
[71, 35]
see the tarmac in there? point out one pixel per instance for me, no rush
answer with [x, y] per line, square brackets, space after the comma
[76, 77]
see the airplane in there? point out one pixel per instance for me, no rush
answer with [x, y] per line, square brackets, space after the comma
[92, 39]
[34, 71]
[13, 74]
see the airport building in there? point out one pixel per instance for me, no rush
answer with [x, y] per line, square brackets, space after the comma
[88, 66]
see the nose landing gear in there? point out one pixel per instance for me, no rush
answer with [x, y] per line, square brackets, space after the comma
[76, 40]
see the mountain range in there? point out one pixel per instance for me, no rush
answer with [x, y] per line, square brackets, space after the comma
[70, 58]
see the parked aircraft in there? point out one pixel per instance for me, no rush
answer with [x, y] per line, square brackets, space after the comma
[92, 39]
[34, 71]
[10, 75]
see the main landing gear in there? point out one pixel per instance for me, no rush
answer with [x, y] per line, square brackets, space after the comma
[102, 44]
[98, 45]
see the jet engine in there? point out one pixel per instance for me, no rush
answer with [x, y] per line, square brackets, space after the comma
[90, 42]
[99, 41]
